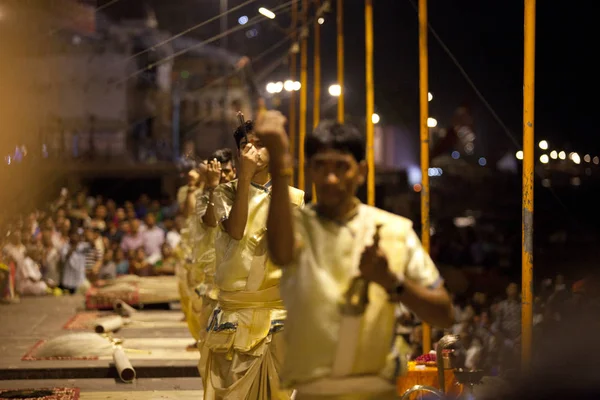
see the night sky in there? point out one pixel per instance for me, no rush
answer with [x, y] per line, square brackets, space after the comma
[487, 39]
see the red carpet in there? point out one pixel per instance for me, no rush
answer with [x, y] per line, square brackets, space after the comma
[96, 300]
[41, 394]
[85, 320]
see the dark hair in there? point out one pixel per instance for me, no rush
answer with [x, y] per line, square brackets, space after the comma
[223, 155]
[238, 135]
[335, 136]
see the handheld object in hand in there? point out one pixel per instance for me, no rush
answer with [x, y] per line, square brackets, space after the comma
[243, 124]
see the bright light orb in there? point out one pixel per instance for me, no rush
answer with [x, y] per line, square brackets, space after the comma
[335, 90]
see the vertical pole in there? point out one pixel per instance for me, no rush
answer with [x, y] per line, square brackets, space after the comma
[175, 121]
[224, 42]
[293, 66]
[303, 95]
[340, 58]
[317, 71]
[424, 134]
[528, 169]
[370, 102]
[317, 82]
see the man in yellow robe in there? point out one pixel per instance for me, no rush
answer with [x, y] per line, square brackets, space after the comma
[186, 196]
[243, 346]
[220, 170]
[345, 266]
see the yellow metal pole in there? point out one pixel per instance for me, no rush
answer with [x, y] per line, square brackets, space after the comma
[303, 95]
[317, 81]
[424, 134]
[317, 71]
[340, 58]
[528, 169]
[293, 65]
[370, 101]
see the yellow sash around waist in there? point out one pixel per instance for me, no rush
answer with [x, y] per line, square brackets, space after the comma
[241, 300]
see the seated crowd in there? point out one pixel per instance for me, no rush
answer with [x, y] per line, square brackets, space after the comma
[87, 240]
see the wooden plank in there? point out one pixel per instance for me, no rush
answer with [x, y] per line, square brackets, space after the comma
[145, 395]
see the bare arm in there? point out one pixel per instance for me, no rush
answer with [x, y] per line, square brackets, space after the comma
[190, 202]
[213, 177]
[209, 218]
[270, 128]
[280, 227]
[432, 305]
[235, 224]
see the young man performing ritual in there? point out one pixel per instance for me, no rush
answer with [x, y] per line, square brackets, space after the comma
[243, 344]
[345, 267]
[220, 170]
[186, 199]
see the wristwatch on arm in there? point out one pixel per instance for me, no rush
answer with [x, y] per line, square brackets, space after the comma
[394, 292]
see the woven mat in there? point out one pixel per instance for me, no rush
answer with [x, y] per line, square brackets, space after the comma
[143, 320]
[133, 290]
[41, 394]
[85, 320]
[97, 300]
[136, 349]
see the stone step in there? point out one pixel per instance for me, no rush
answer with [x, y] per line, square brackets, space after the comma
[97, 370]
[143, 385]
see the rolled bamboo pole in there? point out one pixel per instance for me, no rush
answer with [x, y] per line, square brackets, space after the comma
[123, 366]
[109, 324]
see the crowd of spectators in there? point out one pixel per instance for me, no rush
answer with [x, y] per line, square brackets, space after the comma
[81, 239]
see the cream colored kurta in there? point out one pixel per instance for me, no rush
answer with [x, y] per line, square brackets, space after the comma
[204, 251]
[202, 262]
[312, 286]
[182, 272]
[205, 293]
[243, 348]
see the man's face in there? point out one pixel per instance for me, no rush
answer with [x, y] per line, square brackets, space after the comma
[263, 154]
[60, 222]
[101, 212]
[135, 226]
[337, 176]
[111, 205]
[66, 225]
[74, 238]
[227, 172]
[150, 220]
[48, 223]
[131, 214]
[125, 226]
[179, 223]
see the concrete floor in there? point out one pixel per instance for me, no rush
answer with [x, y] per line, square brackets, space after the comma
[35, 319]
